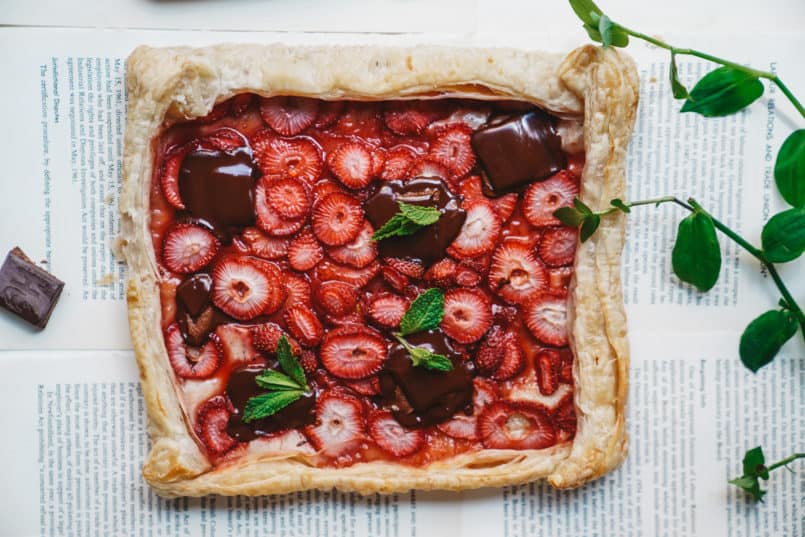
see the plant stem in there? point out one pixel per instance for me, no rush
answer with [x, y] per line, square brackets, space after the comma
[721, 61]
[785, 461]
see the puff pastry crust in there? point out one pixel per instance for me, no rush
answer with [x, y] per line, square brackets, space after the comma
[597, 86]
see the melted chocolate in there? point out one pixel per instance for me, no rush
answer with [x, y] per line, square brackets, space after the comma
[242, 387]
[518, 150]
[194, 293]
[420, 397]
[430, 243]
[218, 186]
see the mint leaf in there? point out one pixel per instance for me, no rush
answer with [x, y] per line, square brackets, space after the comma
[420, 214]
[696, 257]
[267, 404]
[754, 463]
[722, 92]
[290, 364]
[422, 357]
[764, 336]
[622, 207]
[789, 169]
[424, 313]
[582, 207]
[585, 9]
[569, 216]
[589, 226]
[276, 381]
[678, 89]
[783, 236]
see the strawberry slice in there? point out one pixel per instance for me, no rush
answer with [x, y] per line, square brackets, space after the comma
[387, 309]
[513, 359]
[298, 289]
[191, 362]
[480, 231]
[515, 425]
[337, 219]
[289, 115]
[504, 206]
[548, 363]
[353, 352]
[289, 197]
[308, 361]
[566, 366]
[429, 168]
[268, 219]
[470, 188]
[466, 275]
[224, 139]
[277, 291]
[471, 118]
[329, 111]
[266, 337]
[211, 420]
[324, 187]
[558, 246]
[467, 314]
[169, 177]
[261, 245]
[559, 280]
[399, 160]
[340, 427]
[351, 163]
[546, 318]
[515, 274]
[358, 253]
[304, 252]
[304, 325]
[188, 248]
[337, 298]
[408, 118]
[564, 417]
[357, 277]
[406, 267]
[298, 158]
[367, 387]
[241, 103]
[543, 198]
[236, 345]
[452, 149]
[463, 426]
[392, 437]
[378, 161]
[240, 289]
[442, 273]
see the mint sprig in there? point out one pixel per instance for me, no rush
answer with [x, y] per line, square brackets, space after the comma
[424, 313]
[754, 468]
[283, 388]
[408, 220]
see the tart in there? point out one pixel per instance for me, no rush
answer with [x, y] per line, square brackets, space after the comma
[346, 272]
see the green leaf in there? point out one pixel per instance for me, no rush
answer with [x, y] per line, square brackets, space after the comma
[696, 257]
[593, 33]
[723, 92]
[618, 204]
[422, 357]
[589, 226]
[289, 363]
[424, 313]
[569, 216]
[789, 170]
[419, 214]
[584, 10]
[605, 29]
[764, 336]
[267, 404]
[678, 89]
[581, 207]
[397, 226]
[750, 485]
[276, 381]
[783, 236]
[754, 463]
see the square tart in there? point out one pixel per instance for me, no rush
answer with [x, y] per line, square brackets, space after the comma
[254, 177]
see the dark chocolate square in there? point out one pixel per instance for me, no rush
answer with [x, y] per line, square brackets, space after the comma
[28, 290]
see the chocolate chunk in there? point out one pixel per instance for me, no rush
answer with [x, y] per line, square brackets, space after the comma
[430, 243]
[242, 387]
[421, 397]
[194, 293]
[518, 150]
[218, 186]
[28, 290]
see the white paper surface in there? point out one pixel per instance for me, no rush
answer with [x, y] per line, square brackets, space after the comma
[74, 418]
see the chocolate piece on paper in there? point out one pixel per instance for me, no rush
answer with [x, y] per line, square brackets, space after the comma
[28, 290]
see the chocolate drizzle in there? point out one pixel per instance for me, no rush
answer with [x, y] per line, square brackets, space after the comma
[428, 244]
[420, 397]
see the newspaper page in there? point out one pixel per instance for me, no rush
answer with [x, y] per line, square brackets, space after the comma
[72, 392]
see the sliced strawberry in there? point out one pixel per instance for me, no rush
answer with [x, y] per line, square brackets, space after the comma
[211, 420]
[504, 206]
[277, 291]
[548, 363]
[559, 280]
[452, 149]
[298, 289]
[360, 119]
[392, 437]
[521, 425]
[467, 315]
[353, 352]
[236, 344]
[367, 387]
[324, 187]
[399, 160]
[515, 274]
[467, 276]
[240, 289]
[304, 325]
[480, 231]
[188, 248]
[513, 359]
[298, 158]
[387, 309]
[558, 246]
[337, 219]
[329, 111]
[358, 253]
[351, 163]
[224, 139]
[261, 245]
[337, 298]
[241, 103]
[429, 168]
[169, 177]
[266, 337]
[304, 252]
[395, 279]
[500, 355]
[442, 273]
[564, 416]
[546, 318]
[191, 362]
[470, 188]
[308, 361]
[407, 267]
[289, 197]
[408, 118]
[566, 366]
[471, 118]
[268, 219]
[357, 277]
[289, 115]
[543, 198]
[340, 427]
[463, 426]
[378, 161]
